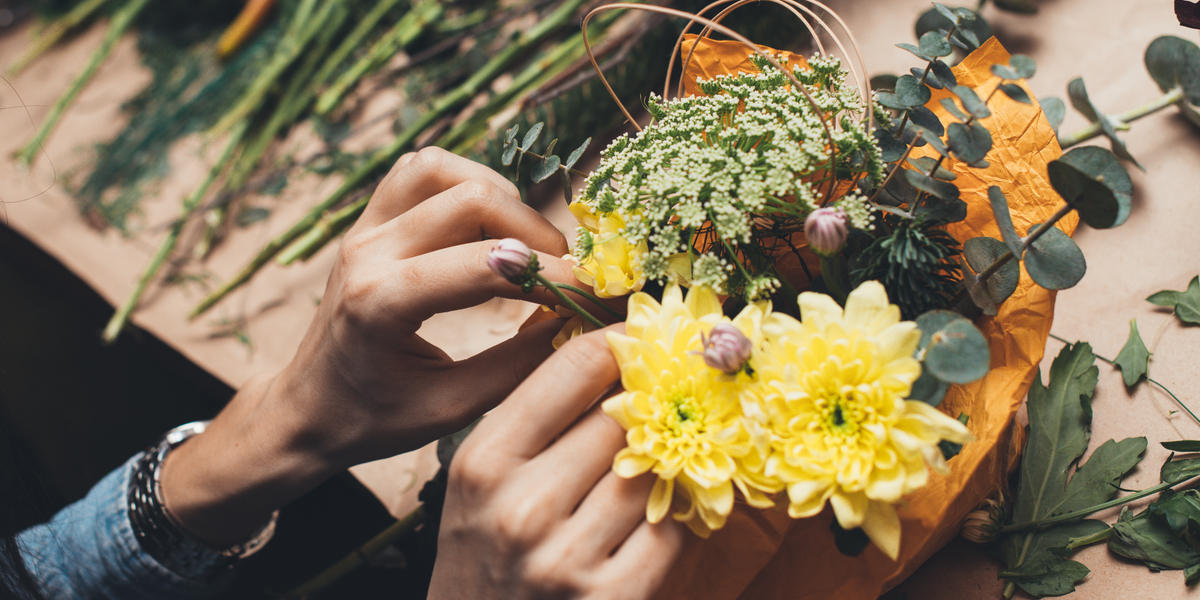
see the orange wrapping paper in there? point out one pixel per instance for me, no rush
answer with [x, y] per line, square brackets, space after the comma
[764, 554]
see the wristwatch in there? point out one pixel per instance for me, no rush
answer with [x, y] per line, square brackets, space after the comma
[160, 534]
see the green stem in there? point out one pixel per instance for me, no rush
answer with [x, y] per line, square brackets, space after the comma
[593, 299]
[55, 32]
[120, 23]
[550, 285]
[121, 317]
[833, 270]
[325, 230]
[560, 18]
[1079, 514]
[359, 556]
[1025, 244]
[353, 40]
[1171, 98]
[1088, 540]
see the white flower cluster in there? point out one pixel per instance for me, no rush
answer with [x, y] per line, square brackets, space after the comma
[745, 161]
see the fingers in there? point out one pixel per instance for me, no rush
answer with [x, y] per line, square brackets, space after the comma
[611, 511]
[466, 213]
[582, 456]
[641, 563]
[422, 175]
[551, 399]
[486, 378]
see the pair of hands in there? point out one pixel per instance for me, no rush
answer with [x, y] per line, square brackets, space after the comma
[533, 509]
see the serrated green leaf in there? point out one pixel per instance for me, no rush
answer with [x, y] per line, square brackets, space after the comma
[925, 164]
[1023, 65]
[531, 136]
[931, 186]
[1175, 62]
[934, 44]
[969, 143]
[1134, 358]
[1021, 7]
[577, 153]
[952, 108]
[1097, 480]
[943, 73]
[910, 92]
[980, 253]
[1095, 183]
[1040, 569]
[1145, 538]
[1185, 303]
[1054, 261]
[542, 170]
[1055, 112]
[925, 118]
[1180, 510]
[1182, 446]
[971, 102]
[510, 151]
[1016, 92]
[1180, 469]
[1004, 221]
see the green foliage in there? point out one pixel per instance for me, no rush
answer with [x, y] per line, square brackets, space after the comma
[1094, 183]
[1004, 221]
[980, 253]
[1148, 536]
[1134, 357]
[1054, 261]
[914, 264]
[954, 351]
[1021, 7]
[1186, 304]
[1077, 92]
[969, 27]
[1055, 112]
[1174, 62]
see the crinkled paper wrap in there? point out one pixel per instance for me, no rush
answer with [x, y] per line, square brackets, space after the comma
[764, 554]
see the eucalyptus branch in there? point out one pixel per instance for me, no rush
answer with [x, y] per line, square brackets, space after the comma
[1171, 98]
[120, 23]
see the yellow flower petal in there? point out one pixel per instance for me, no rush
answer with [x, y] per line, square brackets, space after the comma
[882, 525]
[630, 465]
[660, 500]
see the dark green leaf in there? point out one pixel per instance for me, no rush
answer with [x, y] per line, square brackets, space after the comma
[511, 134]
[969, 143]
[891, 149]
[1180, 469]
[981, 297]
[1175, 62]
[910, 92]
[1179, 510]
[1023, 7]
[952, 108]
[916, 51]
[947, 12]
[929, 389]
[925, 164]
[928, 137]
[550, 148]
[1016, 92]
[1077, 92]
[1097, 480]
[531, 136]
[956, 352]
[1023, 65]
[884, 81]
[941, 210]
[973, 28]
[943, 73]
[888, 100]
[1044, 572]
[980, 253]
[931, 186]
[1145, 538]
[510, 151]
[565, 179]
[542, 170]
[898, 191]
[969, 36]
[1134, 357]
[575, 154]
[1095, 183]
[925, 118]
[1004, 221]
[1004, 72]
[1055, 112]
[971, 102]
[930, 80]
[1185, 303]
[934, 44]
[1054, 261]
[1182, 446]
[965, 15]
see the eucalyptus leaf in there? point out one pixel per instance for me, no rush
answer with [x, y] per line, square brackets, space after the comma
[965, 15]
[568, 193]
[1134, 358]
[934, 141]
[1004, 72]
[1175, 62]
[542, 170]
[925, 118]
[890, 148]
[968, 35]
[934, 44]
[1016, 92]
[916, 51]
[1095, 183]
[575, 154]
[1055, 112]
[1180, 469]
[941, 210]
[550, 147]
[1186, 303]
[943, 73]
[946, 12]
[957, 352]
[1023, 65]
[970, 101]
[930, 79]
[1182, 446]
[1077, 92]
[1004, 221]
[972, 27]
[531, 136]
[979, 294]
[889, 100]
[510, 151]
[980, 253]
[970, 143]
[1054, 261]
[910, 92]
[931, 186]
[928, 389]
[511, 134]
[1021, 7]
[952, 108]
[899, 191]
[925, 164]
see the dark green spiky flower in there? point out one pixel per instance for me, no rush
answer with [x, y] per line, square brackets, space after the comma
[917, 265]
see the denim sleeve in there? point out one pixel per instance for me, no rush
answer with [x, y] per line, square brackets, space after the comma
[88, 550]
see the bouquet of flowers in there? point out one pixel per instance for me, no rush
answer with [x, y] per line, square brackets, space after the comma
[774, 174]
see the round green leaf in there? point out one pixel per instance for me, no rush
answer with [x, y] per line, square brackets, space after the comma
[1023, 65]
[932, 322]
[1016, 92]
[952, 108]
[970, 144]
[1175, 62]
[943, 73]
[1094, 182]
[925, 164]
[510, 151]
[531, 136]
[956, 351]
[934, 44]
[542, 170]
[928, 389]
[1004, 72]
[915, 51]
[577, 153]
[1054, 261]
[980, 253]
[891, 149]
[889, 100]
[924, 117]
[910, 92]
[971, 102]
[930, 79]
[931, 186]
[1055, 112]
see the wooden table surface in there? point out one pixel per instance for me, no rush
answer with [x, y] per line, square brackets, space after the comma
[1100, 40]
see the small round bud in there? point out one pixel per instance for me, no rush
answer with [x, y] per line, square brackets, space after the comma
[826, 230]
[726, 348]
[510, 259]
[983, 526]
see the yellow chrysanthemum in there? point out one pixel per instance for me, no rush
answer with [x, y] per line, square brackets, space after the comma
[611, 265]
[834, 386]
[683, 419]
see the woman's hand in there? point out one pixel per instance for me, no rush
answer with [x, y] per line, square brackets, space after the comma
[533, 509]
[363, 384]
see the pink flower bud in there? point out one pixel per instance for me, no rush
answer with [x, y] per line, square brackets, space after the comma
[826, 230]
[726, 348]
[510, 259]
